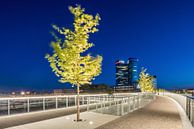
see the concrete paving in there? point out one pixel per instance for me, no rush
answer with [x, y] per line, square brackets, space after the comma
[159, 114]
[91, 121]
[21, 119]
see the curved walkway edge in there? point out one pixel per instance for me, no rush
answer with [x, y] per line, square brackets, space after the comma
[162, 113]
[21, 119]
[185, 120]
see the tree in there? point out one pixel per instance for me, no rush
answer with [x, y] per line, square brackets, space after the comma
[146, 81]
[69, 61]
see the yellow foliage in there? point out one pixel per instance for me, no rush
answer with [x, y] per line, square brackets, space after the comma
[146, 81]
[67, 60]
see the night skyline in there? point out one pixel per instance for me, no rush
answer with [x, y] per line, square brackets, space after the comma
[159, 33]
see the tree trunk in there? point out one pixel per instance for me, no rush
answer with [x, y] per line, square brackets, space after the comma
[78, 102]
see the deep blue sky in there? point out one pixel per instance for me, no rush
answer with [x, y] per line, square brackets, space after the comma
[158, 32]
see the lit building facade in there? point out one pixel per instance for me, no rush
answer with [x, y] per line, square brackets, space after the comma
[127, 74]
[133, 72]
[155, 81]
[121, 73]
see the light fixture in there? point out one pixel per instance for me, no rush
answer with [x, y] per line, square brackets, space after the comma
[22, 93]
[91, 122]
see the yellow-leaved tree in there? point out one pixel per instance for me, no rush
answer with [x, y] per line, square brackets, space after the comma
[146, 81]
[69, 61]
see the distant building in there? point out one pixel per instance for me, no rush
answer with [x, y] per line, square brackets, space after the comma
[133, 72]
[126, 74]
[189, 91]
[155, 81]
[71, 91]
[58, 91]
[122, 73]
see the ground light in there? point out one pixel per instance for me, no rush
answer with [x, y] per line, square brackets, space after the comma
[91, 122]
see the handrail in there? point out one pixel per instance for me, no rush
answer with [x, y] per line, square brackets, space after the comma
[190, 97]
[40, 97]
[186, 101]
[20, 105]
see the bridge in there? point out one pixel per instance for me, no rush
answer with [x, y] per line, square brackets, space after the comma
[101, 111]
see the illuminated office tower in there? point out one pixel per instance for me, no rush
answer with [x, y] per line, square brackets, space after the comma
[126, 74]
[121, 73]
[133, 72]
[155, 81]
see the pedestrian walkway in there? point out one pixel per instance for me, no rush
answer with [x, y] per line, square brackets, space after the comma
[160, 114]
[51, 115]
[91, 120]
[21, 119]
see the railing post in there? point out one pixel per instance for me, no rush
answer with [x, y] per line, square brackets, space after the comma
[67, 102]
[101, 104]
[96, 106]
[122, 111]
[56, 102]
[118, 107]
[138, 101]
[186, 105]
[129, 108]
[75, 99]
[133, 102]
[28, 105]
[8, 107]
[82, 100]
[43, 103]
[88, 103]
[191, 110]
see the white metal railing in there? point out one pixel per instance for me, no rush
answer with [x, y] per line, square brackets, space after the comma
[190, 108]
[16, 105]
[125, 104]
[186, 101]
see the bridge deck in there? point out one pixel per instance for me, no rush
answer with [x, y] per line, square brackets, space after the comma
[160, 114]
[22, 119]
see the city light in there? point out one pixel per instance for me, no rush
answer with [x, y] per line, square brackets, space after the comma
[22, 93]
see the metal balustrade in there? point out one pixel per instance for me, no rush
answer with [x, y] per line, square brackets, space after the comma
[19, 105]
[186, 101]
[190, 108]
[121, 105]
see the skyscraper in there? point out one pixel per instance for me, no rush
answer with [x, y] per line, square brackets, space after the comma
[121, 73]
[133, 72]
[155, 81]
[127, 74]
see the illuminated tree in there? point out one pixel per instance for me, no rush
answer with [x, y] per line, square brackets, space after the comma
[146, 81]
[69, 61]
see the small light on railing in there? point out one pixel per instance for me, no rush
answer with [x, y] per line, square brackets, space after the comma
[22, 93]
